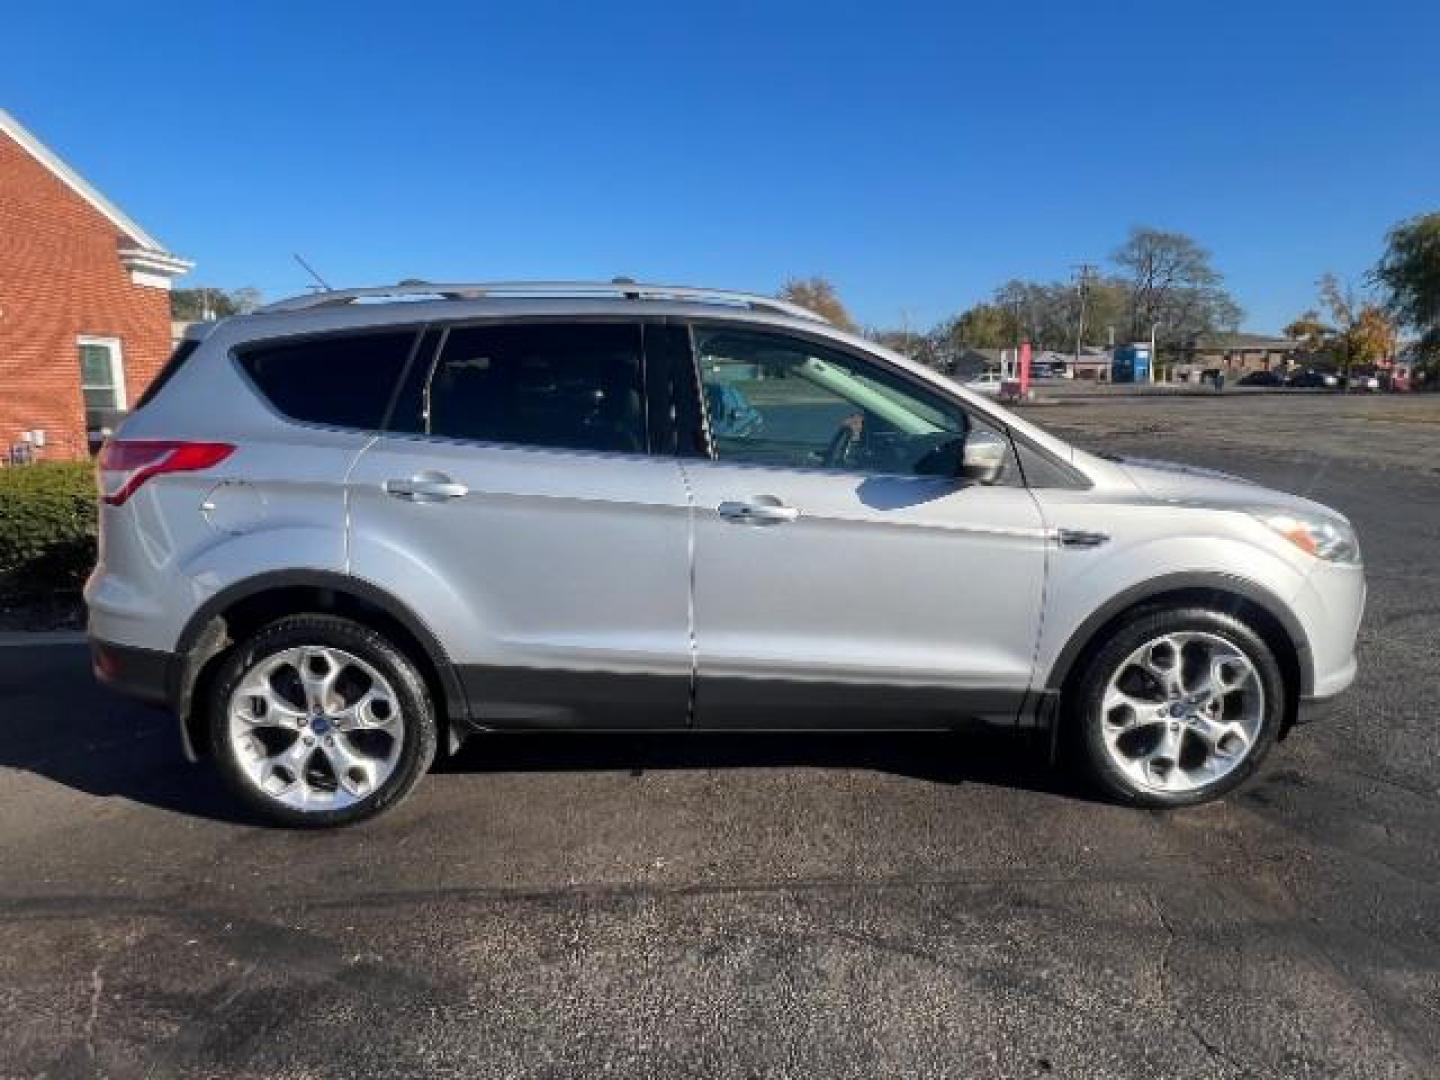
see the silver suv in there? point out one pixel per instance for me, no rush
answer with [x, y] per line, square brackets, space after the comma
[359, 525]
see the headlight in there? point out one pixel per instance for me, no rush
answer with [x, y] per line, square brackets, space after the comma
[1326, 538]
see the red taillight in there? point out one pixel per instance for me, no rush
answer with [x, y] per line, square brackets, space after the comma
[127, 463]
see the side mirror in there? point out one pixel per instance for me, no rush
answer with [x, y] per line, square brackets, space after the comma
[983, 458]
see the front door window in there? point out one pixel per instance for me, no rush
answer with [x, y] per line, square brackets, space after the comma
[785, 402]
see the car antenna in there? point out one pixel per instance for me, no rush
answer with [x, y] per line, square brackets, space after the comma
[324, 285]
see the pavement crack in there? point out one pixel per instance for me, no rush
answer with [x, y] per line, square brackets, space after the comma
[97, 991]
[1212, 1050]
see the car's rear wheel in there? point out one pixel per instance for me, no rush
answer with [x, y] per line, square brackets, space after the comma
[318, 721]
[1178, 707]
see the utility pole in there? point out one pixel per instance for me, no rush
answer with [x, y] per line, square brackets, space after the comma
[1082, 288]
[1019, 339]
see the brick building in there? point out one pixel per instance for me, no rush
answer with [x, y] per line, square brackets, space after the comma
[84, 304]
[1235, 354]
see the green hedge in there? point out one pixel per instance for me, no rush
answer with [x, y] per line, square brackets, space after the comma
[47, 525]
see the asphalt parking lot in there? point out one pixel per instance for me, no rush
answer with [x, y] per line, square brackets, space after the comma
[768, 906]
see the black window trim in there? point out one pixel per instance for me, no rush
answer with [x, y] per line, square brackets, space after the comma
[179, 356]
[446, 326]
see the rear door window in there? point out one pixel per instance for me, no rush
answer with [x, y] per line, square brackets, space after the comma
[340, 380]
[576, 386]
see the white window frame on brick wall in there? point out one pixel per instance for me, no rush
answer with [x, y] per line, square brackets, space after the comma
[117, 370]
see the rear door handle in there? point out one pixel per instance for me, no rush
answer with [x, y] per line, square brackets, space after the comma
[761, 510]
[425, 487]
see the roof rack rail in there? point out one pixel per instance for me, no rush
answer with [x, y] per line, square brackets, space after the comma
[621, 288]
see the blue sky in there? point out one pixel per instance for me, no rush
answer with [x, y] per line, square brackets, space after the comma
[917, 154]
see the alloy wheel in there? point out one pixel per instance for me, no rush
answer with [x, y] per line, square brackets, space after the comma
[315, 728]
[1182, 711]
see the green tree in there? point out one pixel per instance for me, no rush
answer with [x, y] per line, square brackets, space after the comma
[1048, 313]
[1409, 274]
[983, 326]
[817, 294]
[191, 305]
[1313, 334]
[1309, 329]
[1364, 332]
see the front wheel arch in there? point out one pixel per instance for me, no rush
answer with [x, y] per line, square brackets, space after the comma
[1250, 605]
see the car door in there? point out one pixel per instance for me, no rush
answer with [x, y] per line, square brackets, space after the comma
[844, 574]
[514, 503]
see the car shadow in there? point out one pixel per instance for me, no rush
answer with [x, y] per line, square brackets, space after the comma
[958, 757]
[57, 723]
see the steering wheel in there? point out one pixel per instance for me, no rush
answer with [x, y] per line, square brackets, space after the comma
[843, 442]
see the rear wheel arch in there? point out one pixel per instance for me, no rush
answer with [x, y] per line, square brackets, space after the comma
[1246, 601]
[239, 610]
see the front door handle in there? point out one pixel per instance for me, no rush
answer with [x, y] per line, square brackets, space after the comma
[426, 487]
[761, 510]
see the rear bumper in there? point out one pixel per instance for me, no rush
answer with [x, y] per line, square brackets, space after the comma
[142, 674]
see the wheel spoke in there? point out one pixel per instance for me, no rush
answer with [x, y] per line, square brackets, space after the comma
[1162, 660]
[355, 772]
[1224, 739]
[1229, 672]
[259, 703]
[374, 709]
[288, 767]
[1124, 711]
[1162, 763]
[319, 669]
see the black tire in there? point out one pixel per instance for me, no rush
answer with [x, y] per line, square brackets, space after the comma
[417, 749]
[1084, 713]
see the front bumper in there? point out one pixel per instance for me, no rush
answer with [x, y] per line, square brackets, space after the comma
[1319, 706]
[1313, 710]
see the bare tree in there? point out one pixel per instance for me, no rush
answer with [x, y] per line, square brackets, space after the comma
[1173, 286]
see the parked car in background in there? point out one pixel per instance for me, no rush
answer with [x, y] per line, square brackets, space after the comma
[985, 383]
[1363, 380]
[358, 526]
[1261, 378]
[1311, 379]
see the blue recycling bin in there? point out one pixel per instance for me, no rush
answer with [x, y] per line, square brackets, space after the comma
[1131, 364]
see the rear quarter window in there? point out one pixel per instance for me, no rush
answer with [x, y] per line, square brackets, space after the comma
[340, 381]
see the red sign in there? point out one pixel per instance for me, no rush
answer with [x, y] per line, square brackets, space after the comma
[1024, 368]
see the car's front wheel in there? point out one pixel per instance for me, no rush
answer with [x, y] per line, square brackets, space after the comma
[1178, 707]
[318, 720]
